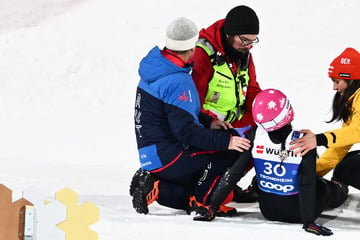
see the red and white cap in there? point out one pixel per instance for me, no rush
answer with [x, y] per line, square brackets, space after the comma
[346, 65]
[272, 110]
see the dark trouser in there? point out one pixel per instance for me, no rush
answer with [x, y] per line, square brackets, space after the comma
[330, 194]
[191, 175]
[287, 208]
[347, 171]
[221, 162]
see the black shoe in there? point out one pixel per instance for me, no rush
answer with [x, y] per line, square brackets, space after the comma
[206, 212]
[248, 195]
[144, 189]
[205, 216]
[225, 211]
[202, 212]
[195, 206]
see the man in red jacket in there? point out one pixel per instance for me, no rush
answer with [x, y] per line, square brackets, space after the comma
[224, 71]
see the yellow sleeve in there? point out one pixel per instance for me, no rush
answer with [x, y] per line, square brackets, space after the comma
[330, 158]
[349, 134]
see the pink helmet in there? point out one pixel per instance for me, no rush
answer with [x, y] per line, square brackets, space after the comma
[272, 109]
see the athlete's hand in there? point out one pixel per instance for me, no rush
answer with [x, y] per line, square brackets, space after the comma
[304, 144]
[217, 124]
[239, 144]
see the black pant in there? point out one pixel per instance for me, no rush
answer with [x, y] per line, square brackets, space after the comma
[347, 171]
[274, 207]
[176, 186]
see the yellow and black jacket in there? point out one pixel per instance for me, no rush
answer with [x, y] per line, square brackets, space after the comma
[341, 140]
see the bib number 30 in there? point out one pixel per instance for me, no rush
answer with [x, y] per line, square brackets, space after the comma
[278, 170]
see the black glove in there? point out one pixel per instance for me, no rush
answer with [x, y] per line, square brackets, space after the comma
[317, 229]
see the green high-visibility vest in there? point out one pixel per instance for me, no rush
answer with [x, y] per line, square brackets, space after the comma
[226, 93]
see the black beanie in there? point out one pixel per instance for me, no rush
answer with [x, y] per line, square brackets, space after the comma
[241, 20]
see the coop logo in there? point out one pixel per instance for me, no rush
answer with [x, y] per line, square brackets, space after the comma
[277, 187]
[260, 149]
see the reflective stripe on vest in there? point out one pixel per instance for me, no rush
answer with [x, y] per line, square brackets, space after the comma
[226, 93]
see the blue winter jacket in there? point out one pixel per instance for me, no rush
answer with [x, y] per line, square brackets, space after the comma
[167, 114]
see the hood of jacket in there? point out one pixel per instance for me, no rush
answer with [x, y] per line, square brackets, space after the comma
[155, 66]
[212, 34]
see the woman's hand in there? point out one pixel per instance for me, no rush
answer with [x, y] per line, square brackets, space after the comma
[304, 144]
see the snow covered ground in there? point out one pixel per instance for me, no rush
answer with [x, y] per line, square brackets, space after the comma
[68, 73]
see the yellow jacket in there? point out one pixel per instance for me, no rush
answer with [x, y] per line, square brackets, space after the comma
[341, 140]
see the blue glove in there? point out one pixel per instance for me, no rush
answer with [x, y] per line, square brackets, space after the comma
[317, 229]
[242, 131]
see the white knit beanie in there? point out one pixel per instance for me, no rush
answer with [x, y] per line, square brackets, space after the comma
[181, 35]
